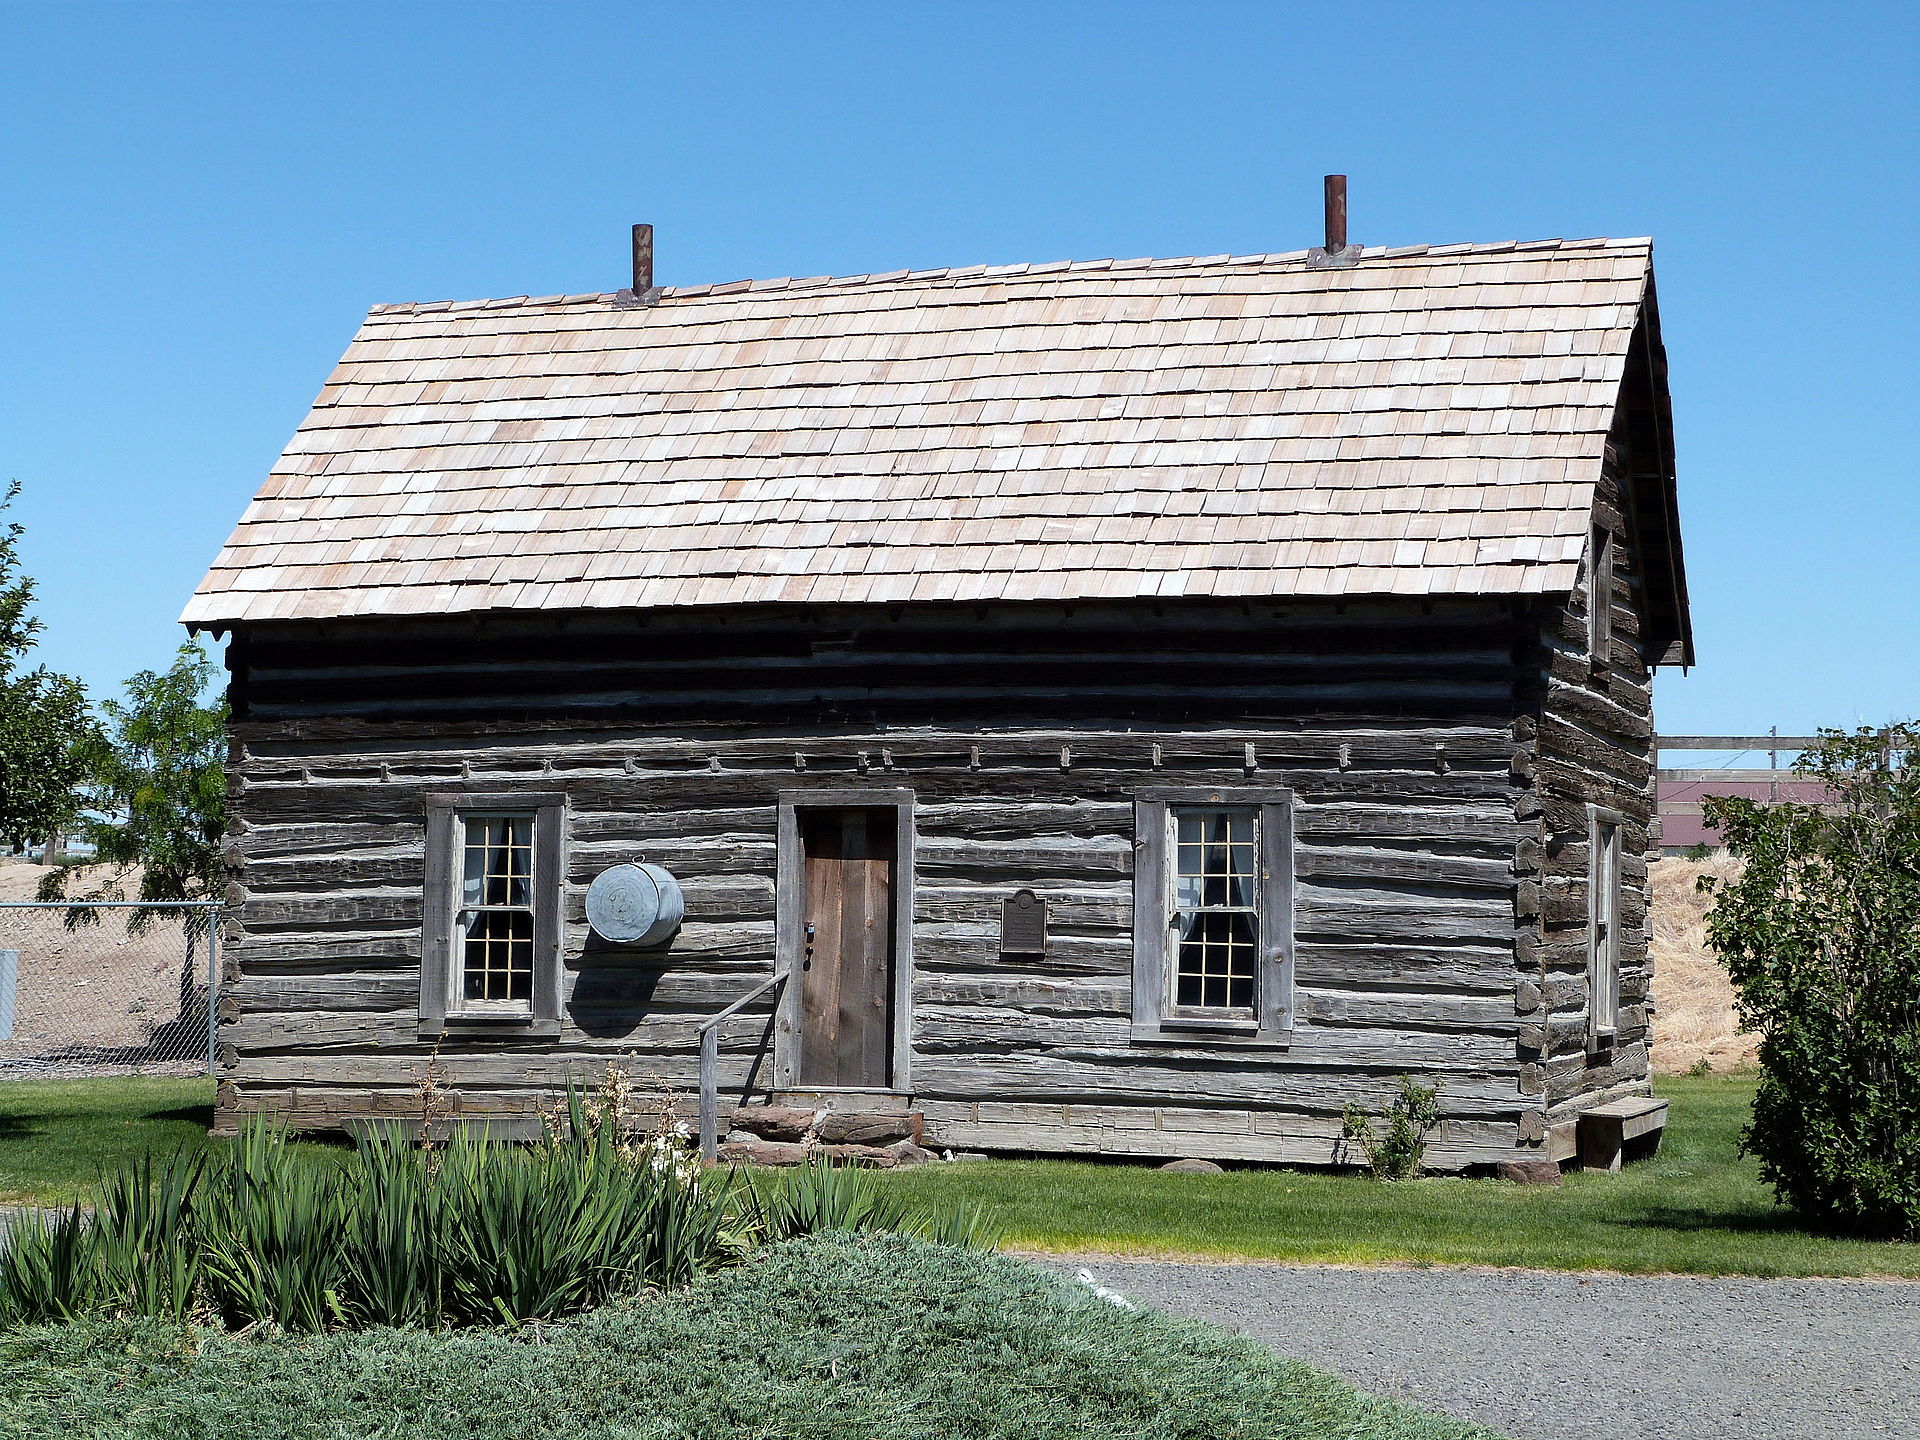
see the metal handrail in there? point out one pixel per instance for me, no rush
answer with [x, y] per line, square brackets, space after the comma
[710, 1064]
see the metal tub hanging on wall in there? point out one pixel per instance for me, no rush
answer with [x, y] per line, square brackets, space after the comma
[635, 904]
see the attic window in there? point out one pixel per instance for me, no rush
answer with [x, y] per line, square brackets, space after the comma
[1600, 567]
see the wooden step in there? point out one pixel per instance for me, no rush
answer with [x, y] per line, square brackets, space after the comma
[1608, 1132]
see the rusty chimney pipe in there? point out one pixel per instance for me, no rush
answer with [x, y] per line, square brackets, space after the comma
[642, 260]
[1336, 188]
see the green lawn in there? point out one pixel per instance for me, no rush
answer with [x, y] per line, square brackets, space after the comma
[57, 1135]
[1699, 1207]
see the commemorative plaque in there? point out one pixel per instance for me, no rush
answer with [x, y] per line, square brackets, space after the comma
[1023, 924]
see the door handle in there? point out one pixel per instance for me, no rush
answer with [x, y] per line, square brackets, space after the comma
[807, 959]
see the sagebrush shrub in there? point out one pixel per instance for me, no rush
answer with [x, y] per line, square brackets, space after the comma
[1820, 933]
[1410, 1117]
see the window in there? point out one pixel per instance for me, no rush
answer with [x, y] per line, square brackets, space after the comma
[1600, 566]
[1603, 929]
[1213, 921]
[494, 928]
[1216, 909]
[490, 937]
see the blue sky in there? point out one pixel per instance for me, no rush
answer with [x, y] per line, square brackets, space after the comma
[198, 203]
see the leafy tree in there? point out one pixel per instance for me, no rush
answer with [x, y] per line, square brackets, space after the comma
[1821, 935]
[156, 790]
[44, 721]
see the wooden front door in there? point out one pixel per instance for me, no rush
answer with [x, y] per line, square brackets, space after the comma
[846, 957]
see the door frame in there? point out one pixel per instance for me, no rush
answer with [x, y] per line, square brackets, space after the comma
[789, 905]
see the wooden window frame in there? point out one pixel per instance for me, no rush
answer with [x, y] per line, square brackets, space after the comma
[1154, 1018]
[790, 901]
[1605, 831]
[1602, 560]
[440, 965]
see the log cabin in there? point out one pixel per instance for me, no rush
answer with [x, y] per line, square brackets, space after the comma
[1127, 708]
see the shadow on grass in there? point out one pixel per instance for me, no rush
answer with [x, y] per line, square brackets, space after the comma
[1732, 1222]
[18, 1127]
[201, 1115]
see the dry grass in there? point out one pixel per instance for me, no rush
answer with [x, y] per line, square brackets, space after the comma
[1693, 1017]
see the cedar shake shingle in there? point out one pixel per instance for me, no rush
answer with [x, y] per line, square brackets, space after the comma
[1215, 426]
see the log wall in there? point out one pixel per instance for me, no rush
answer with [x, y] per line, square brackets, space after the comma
[1594, 745]
[1430, 750]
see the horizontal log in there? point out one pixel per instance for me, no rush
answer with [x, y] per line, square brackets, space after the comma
[1022, 822]
[1409, 967]
[468, 1068]
[1484, 1014]
[295, 876]
[352, 990]
[1272, 1137]
[331, 911]
[944, 861]
[1350, 863]
[1369, 919]
[622, 1032]
[267, 842]
[955, 1030]
[1320, 822]
[323, 951]
[1040, 995]
[1153, 1079]
[1065, 955]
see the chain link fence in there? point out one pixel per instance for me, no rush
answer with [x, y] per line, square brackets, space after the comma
[125, 988]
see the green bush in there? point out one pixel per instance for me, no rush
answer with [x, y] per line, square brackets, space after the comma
[1821, 935]
[134, 1255]
[1398, 1153]
[866, 1337]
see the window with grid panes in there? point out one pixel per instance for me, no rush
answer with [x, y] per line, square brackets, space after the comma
[495, 924]
[1213, 914]
[492, 928]
[1215, 908]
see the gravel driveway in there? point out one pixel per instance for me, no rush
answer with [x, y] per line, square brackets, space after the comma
[1548, 1356]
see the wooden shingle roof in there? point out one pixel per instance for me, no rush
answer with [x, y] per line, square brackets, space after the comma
[1428, 422]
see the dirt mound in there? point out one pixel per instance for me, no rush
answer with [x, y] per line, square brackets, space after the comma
[1694, 1018]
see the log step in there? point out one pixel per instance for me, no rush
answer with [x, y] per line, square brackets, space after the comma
[795, 1124]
